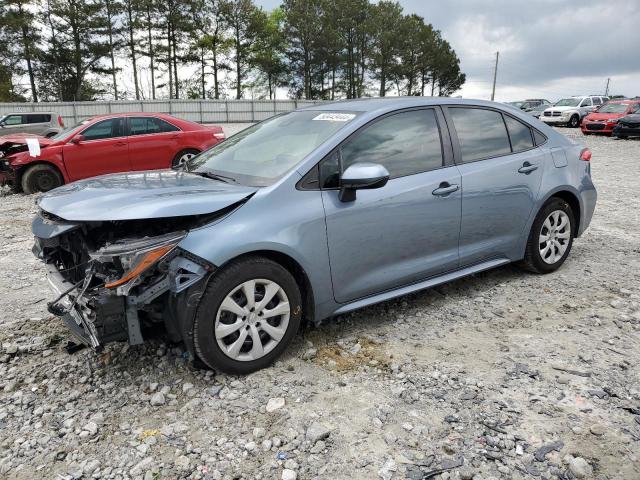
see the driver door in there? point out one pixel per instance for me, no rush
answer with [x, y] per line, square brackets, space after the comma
[104, 149]
[405, 231]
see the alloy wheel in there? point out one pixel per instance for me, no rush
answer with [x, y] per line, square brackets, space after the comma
[554, 237]
[252, 319]
[185, 158]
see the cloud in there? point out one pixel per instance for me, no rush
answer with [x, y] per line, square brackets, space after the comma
[548, 48]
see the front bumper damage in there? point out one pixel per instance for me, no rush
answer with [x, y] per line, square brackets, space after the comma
[164, 297]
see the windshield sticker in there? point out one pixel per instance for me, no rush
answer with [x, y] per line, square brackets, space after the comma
[34, 147]
[335, 117]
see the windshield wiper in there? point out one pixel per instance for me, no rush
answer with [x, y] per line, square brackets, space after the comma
[216, 176]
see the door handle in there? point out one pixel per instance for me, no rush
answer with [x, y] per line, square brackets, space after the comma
[527, 168]
[121, 144]
[445, 188]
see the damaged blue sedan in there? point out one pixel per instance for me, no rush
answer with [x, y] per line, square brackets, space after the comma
[307, 215]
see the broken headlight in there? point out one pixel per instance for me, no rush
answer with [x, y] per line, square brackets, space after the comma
[136, 256]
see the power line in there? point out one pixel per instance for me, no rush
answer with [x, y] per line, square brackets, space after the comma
[495, 75]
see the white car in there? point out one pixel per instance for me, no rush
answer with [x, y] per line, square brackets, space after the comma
[570, 111]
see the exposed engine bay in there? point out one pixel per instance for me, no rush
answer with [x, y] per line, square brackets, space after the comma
[119, 280]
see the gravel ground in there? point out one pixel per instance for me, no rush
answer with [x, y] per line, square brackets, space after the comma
[501, 375]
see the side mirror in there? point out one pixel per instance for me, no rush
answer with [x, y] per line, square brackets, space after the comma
[361, 176]
[77, 139]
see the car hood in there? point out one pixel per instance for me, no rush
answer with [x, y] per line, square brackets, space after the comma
[562, 109]
[632, 120]
[141, 195]
[17, 142]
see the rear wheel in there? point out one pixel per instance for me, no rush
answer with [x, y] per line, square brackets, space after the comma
[183, 156]
[574, 121]
[250, 312]
[551, 237]
[40, 178]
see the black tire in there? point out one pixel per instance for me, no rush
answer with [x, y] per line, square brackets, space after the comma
[40, 178]
[221, 284]
[574, 121]
[176, 162]
[533, 260]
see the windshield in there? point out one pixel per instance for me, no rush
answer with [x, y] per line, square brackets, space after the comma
[516, 104]
[69, 131]
[263, 153]
[613, 108]
[568, 102]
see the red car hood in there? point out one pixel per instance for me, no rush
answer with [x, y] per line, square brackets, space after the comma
[604, 116]
[21, 138]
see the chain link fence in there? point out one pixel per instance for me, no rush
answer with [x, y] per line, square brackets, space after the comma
[201, 111]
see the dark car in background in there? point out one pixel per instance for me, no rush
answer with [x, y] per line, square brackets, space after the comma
[605, 118]
[537, 110]
[103, 144]
[532, 103]
[627, 126]
[46, 124]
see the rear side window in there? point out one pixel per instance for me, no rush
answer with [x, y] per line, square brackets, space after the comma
[405, 143]
[149, 125]
[38, 118]
[112, 128]
[519, 134]
[597, 101]
[481, 133]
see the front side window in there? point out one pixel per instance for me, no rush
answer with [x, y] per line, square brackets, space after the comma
[404, 143]
[481, 133]
[263, 153]
[586, 102]
[519, 134]
[13, 120]
[149, 125]
[112, 128]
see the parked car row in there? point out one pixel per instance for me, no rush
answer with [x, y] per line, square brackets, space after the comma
[594, 114]
[103, 144]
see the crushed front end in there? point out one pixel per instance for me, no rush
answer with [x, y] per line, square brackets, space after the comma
[121, 280]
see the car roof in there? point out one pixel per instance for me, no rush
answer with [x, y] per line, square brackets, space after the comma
[394, 103]
[28, 113]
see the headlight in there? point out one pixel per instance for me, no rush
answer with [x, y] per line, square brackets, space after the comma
[612, 120]
[137, 256]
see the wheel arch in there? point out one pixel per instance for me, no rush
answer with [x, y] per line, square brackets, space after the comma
[20, 171]
[295, 269]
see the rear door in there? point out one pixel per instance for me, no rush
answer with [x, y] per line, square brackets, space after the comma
[153, 143]
[103, 150]
[37, 123]
[405, 231]
[501, 171]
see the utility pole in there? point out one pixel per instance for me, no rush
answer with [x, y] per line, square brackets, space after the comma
[606, 90]
[495, 75]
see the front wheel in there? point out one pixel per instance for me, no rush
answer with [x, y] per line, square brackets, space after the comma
[249, 313]
[183, 157]
[40, 178]
[551, 237]
[574, 121]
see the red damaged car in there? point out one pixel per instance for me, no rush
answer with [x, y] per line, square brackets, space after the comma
[104, 144]
[606, 117]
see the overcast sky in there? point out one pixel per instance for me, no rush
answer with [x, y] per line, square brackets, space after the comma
[548, 48]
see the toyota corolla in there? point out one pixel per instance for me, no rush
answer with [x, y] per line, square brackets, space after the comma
[308, 215]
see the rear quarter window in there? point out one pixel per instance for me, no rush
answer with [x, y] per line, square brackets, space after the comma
[519, 133]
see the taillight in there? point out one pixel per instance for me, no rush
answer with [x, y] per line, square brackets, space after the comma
[585, 155]
[60, 121]
[219, 135]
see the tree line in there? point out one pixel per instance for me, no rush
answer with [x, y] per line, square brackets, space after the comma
[314, 49]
